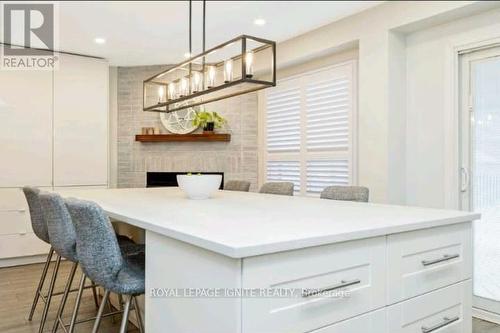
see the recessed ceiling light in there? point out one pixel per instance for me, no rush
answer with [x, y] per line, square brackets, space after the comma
[259, 21]
[187, 55]
[100, 40]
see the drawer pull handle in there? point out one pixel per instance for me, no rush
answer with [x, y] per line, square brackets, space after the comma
[446, 321]
[446, 257]
[342, 284]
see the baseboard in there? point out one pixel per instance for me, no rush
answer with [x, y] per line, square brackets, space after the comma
[9, 262]
[486, 315]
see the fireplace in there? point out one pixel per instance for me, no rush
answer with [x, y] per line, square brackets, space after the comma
[169, 179]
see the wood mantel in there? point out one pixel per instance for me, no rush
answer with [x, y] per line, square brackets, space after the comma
[198, 137]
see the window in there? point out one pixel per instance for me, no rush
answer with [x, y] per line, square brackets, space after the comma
[308, 129]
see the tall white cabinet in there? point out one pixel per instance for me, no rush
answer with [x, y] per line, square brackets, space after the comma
[53, 133]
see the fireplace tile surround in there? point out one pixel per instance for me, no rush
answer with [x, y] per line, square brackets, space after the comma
[236, 159]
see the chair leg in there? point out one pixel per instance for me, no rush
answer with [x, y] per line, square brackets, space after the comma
[126, 310]
[100, 312]
[77, 304]
[49, 294]
[94, 293]
[138, 315]
[110, 309]
[65, 296]
[40, 283]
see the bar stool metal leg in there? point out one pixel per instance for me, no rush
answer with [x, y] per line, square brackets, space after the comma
[65, 296]
[138, 315]
[94, 293]
[77, 304]
[126, 310]
[101, 310]
[49, 294]
[40, 284]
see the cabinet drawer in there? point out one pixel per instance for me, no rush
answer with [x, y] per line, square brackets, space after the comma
[13, 246]
[14, 212]
[354, 270]
[373, 322]
[446, 310]
[425, 260]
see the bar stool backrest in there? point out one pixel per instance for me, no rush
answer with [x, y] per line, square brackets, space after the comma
[96, 245]
[37, 220]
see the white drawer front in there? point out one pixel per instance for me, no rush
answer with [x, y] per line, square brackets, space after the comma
[14, 212]
[13, 246]
[425, 260]
[359, 263]
[373, 322]
[446, 310]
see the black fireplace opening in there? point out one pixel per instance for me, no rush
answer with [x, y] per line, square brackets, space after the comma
[169, 179]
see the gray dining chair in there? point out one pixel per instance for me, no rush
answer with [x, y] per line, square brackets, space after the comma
[280, 188]
[101, 260]
[237, 185]
[40, 229]
[346, 193]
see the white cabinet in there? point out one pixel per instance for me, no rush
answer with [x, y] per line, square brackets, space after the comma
[373, 322]
[447, 310]
[25, 128]
[53, 133]
[352, 274]
[80, 122]
[424, 260]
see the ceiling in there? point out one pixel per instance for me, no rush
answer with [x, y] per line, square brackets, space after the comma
[149, 32]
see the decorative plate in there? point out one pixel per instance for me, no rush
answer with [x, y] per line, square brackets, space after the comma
[179, 122]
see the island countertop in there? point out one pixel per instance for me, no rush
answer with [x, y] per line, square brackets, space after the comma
[241, 224]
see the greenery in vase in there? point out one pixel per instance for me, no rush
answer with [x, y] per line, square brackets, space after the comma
[205, 117]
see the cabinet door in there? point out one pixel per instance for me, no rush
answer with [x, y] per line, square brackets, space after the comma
[80, 122]
[25, 128]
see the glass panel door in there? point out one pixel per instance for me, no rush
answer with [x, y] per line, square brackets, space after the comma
[481, 169]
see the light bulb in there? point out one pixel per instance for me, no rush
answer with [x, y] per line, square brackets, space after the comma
[196, 81]
[160, 94]
[184, 87]
[171, 91]
[249, 64]
[228, 70]
[211, 76]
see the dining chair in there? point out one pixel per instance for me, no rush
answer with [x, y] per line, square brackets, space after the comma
[101, 260]
[280, 188]
[39, 227]
[346, 193]
[237, 185]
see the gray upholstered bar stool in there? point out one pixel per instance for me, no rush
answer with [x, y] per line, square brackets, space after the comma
[346, 193]
[63, 239]
[280, 188]
[101, 260]
[237, 185]
[40, 229]
[62, 235]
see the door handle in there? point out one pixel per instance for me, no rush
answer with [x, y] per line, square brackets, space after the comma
[446, 321]
[342, 284]
[465, 179]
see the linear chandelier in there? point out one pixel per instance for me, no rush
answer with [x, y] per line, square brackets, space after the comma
[241, 65]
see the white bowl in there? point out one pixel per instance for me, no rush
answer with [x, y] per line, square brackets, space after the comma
[199, 186]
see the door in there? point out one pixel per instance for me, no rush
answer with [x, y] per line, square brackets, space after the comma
[480, 172]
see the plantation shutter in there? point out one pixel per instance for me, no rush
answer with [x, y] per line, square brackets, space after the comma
[309, 129]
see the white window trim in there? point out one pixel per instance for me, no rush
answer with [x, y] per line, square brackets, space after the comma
[353, 135]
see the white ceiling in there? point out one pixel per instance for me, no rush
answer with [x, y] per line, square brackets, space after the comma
[148, 32]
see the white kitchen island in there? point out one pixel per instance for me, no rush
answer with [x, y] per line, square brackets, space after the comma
[393, 268]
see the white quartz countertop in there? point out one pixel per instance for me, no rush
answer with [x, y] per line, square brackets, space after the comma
[239, 224]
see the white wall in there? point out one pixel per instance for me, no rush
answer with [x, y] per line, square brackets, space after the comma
[379, 32]
[432, 151]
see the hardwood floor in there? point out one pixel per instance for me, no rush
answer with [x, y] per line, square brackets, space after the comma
[17, 285]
